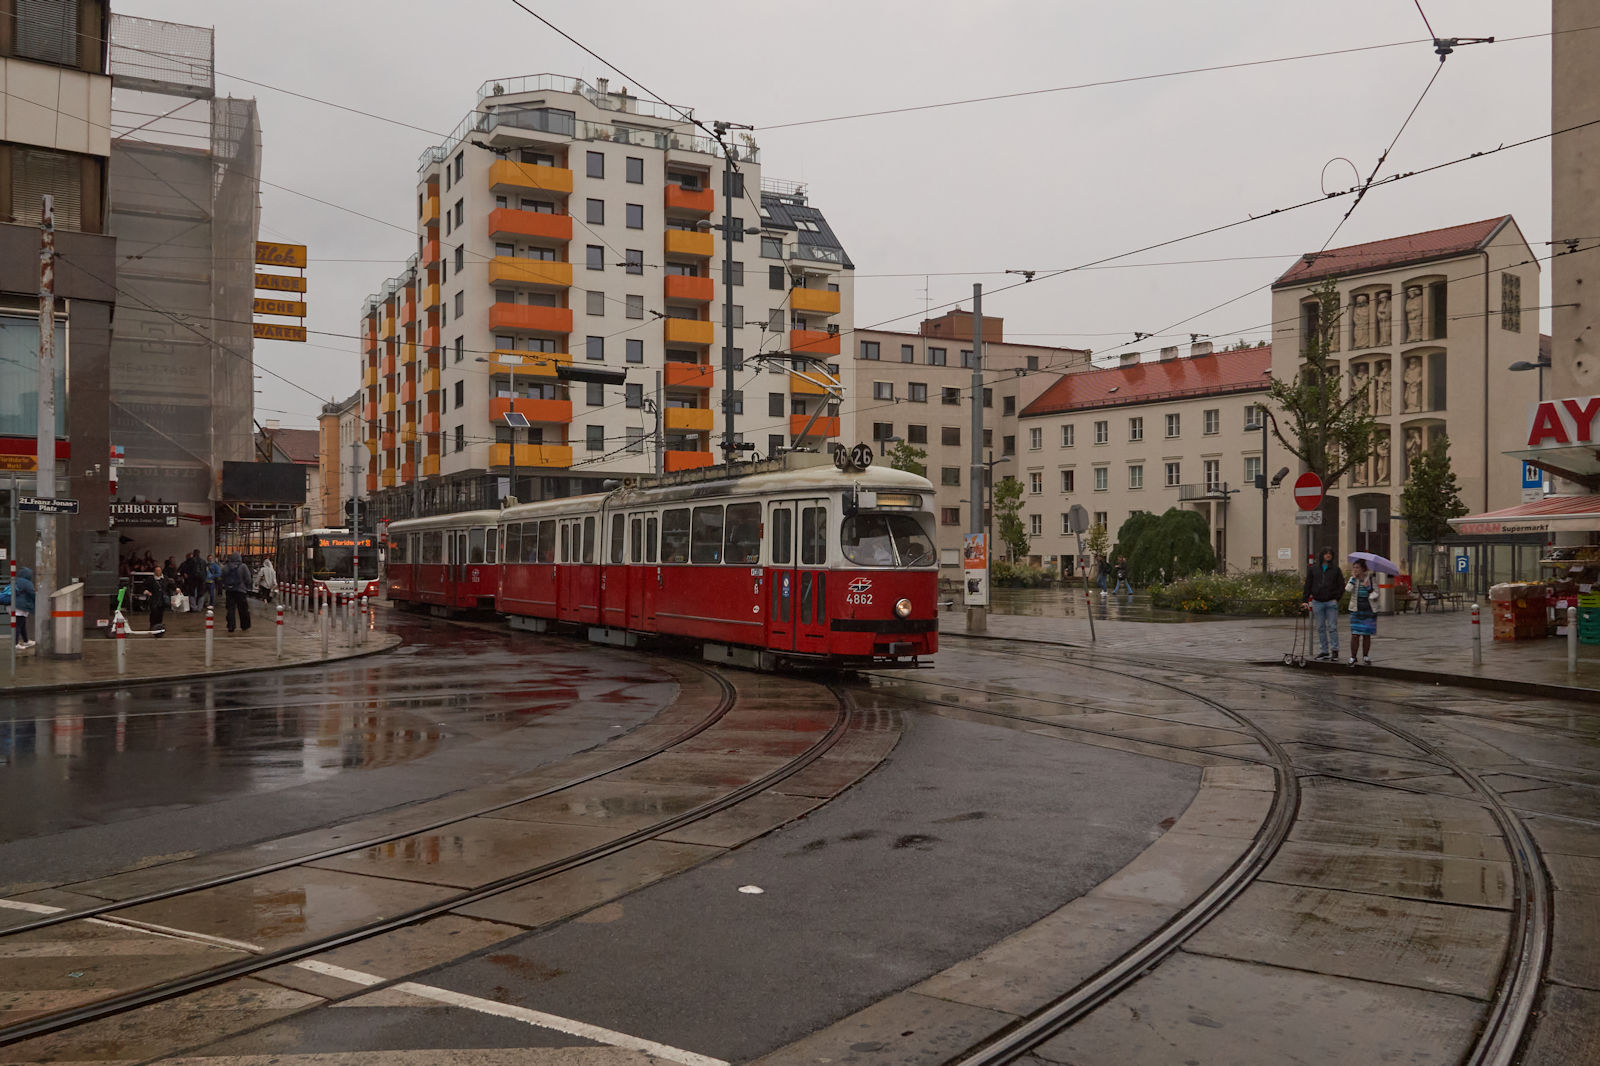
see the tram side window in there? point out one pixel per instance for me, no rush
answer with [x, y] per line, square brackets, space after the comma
[650, 539]
[588, 540]
[397, 551]
[491, 544]
[547, 541]
[744, 534]
[433, 548]
[813, 536]
[514, 544]
[475, 546]
[636, 534]
[782, 536]
[618, 525]
[566, 542]
[675, 535]
[705, 545]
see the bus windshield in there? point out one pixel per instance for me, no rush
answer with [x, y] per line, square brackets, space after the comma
[332, 559]
[878, 539]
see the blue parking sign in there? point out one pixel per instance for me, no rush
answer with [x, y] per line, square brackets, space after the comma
[1461, 564]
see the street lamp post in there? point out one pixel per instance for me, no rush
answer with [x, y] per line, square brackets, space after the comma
[888, 440]
[1541, 365]
[1261, 480]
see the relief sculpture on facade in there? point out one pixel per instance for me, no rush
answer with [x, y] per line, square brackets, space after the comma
[1361, 386]
[1380, 459]
[1412, 396]
[1361, 321]
[1381, 388]
[1413, 313]
[1381, 318]
[1413, 448]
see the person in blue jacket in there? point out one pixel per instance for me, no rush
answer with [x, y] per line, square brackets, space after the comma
[22, 606]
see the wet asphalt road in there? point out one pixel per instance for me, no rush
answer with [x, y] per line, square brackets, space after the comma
[94, 781]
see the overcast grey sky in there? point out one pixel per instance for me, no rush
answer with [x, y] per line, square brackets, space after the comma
[1044, 182]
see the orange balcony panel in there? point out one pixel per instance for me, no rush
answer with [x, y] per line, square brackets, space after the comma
[408, 313]
[533, 410]
[511, 270]
[430, 466]
[408, 472]
[813, 342]
[688, 419]
[431, 253]
[534, 319]
[369, 411]
[430, 211]
[700, 201]
[539, 225]
[531, 455]
[430, 337]
[431, 297]
[814, 301]
[824, 426]
[388, 478]
[430, 423]
[386, 441]
[430, 380]
[689, 376]
[688, 331]
[528, 364]
[688, 242]
[509, 175]
[372, 482]
[408, 392]
[801, 387]
[679, 287]
[386, 365]
[687, 460]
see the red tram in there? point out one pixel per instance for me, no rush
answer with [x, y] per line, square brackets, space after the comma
[449, 562]
[789, 561]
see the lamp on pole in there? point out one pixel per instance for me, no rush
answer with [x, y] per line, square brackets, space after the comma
[1261, 478]
[1541, 365]
[888, 440]
[514, 418]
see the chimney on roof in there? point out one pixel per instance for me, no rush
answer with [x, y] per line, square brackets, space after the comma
[1199, 348]
[1128, 358]
[601, 84]
[1169, 353]
[272, 424]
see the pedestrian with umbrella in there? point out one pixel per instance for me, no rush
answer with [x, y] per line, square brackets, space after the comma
[1362, 586]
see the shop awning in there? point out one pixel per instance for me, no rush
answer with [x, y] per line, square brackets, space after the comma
[1553, 514]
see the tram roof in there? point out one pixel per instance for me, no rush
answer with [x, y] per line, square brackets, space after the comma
[445, 521]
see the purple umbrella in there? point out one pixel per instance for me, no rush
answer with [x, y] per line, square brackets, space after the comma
[1376, 563]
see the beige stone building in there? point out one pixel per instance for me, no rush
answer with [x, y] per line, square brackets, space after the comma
[1429, 326]
[1147, 436]
[1574, 201]
[341, 458]
[917, 387]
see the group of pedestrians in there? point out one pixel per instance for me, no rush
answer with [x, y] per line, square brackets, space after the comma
[1106, 570]
[1325, 585]
[198, 582]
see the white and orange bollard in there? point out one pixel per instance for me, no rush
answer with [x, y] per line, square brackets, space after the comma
[1572, 640]
[1477, 637]
[280, 630]
[211, 626]
[365, 618]
[122, 646]
[11, 618]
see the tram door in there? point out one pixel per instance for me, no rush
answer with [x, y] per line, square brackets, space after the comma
[798, 576]
[457, 574]
[614, 573]
[642, 572]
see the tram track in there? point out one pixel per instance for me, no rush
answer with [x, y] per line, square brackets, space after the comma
[1516, 990]
[165, 990]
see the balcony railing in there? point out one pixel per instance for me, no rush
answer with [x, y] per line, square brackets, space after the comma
[1200, 492]
[813, 253]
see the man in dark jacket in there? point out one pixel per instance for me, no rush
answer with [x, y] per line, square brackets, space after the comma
[236, 588]
[1324, 586]
[194, 578]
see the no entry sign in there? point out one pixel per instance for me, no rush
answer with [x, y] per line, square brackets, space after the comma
[1308, 491]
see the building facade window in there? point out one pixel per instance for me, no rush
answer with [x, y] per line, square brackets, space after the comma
[882, 430]
[594, 394]
[736, 276]
[1174, 475]
[772, 248]
[594, 212]
[1036, 524]
[633, 260]
[1008, 405]
[1035, 482]
[776, 278]
[1102, 478]
[908, 353]
[950, 436]
[949, 516]
[1174, 425]
[917, 391]
[1213, 475]
[869, 350]
[634, 435]
[594, 348]
[1035, 439]
[1252, 469]
[916, 434]
[1102, 432]
[1211, 422]
[634, 304]
[1068, 481]
[937, 357]
[950, 397]
[1136, 428]
[1068, 436]
[883, 390]
[950, 475]
[594, 302]
[595, 164]
[1136, 476]
[635, 350]
[634, 216]
[461, 400]
[594, 257]
[594, 438]
[1102, 519]
[634, 167]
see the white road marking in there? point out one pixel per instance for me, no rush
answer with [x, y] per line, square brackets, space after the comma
[478, 1004]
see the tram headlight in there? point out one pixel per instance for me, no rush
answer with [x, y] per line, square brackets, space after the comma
[902, 607]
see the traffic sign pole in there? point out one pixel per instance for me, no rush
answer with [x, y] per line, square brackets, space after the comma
[1308, 497]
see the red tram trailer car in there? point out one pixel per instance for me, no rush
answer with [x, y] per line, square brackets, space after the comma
[447, 562]
[788, 561]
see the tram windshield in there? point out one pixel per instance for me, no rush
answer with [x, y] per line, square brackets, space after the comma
[879, 539]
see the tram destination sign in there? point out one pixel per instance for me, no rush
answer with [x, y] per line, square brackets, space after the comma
[44, 505]
[127, 515]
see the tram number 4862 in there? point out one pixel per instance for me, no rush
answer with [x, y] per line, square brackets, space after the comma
[860, 593]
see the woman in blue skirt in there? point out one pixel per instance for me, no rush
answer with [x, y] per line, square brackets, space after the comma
[1363, 620]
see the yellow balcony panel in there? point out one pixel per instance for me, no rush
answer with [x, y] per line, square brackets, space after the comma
[813, 342]
[430, 466]
[688, 375]
[430, 211]
[824, 426]
[687, 460]
[531, 455]
[688, 331]
[408, 432]
[559, 411]
[369, 376]
[430, 380]
[689, 242]
[509, 175]
[388, 478]
[386, 328]
[801, 387]
[408, 352]
[430, 297]
[688, 419]
[537, 225]
[814, 301]
[681, 287]
[388, 402]
[542, 273]
[528, 364]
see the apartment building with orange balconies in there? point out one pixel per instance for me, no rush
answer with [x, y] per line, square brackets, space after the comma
[570, 273]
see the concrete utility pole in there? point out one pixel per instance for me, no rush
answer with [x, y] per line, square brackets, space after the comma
[978, 614]
[730, 450]
[44, 564]
[355, 516]
[661, 457]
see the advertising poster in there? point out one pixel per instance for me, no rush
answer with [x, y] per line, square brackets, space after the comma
[975, 569]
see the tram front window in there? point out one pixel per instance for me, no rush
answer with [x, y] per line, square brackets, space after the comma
[875, 539]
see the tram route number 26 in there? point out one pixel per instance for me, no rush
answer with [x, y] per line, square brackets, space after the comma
[860, 593]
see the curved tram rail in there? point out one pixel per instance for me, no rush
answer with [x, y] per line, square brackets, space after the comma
[170, 989]
[1516, 990]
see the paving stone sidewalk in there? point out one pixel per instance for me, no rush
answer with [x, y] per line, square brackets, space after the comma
[1434, 646]
[181, 653]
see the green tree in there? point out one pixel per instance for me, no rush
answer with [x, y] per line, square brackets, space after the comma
[1166, 547]
[1431, 496]
[1325, 430]
[1008, 517]
[908, 457]
[1097, 541]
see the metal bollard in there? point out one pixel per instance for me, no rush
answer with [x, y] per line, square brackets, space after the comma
[211, 625]
[350, 621]
[1477, 638]
[1572, 640]
[322, 621]
[366, 618]
[122, 646]
[280, 630]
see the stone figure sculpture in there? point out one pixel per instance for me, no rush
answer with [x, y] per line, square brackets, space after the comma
[1413, 447]
[1361, 321]
[1380, 459]
[1380, 316]
[1414, 313]
[1380, 388]
[1361, 384]
[1411, 397]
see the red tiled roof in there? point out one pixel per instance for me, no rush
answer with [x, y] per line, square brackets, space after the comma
[1392, 252]
[291, 445]
[1175, 379]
